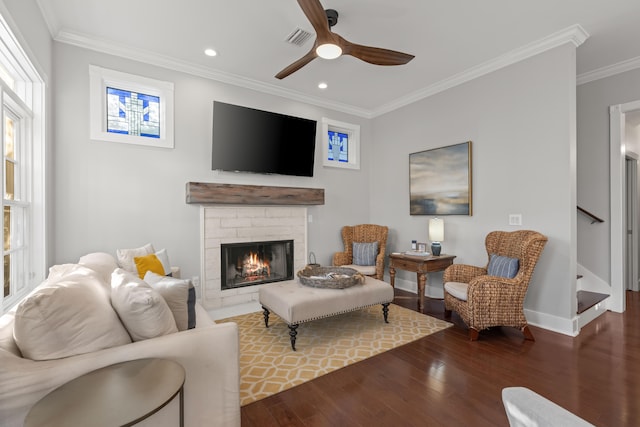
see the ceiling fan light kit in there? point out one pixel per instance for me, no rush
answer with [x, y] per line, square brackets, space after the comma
[329, 51]
[329, 45]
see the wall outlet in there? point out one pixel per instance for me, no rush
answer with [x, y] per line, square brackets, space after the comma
[310, 218]
[515, 219]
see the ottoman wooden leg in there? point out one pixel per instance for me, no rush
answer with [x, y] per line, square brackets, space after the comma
[265, 314]
[385, 312]
[292, 334]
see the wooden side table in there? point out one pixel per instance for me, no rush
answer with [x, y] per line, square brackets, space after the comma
[118, 395]
[420, 265]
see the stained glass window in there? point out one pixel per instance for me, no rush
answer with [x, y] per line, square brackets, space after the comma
[133, 113]
[130, 109]
[341, 144]
[338, 146]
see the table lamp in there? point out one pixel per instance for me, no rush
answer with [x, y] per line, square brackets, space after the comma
[436, 235]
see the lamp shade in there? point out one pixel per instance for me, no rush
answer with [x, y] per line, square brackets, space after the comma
[436, 230]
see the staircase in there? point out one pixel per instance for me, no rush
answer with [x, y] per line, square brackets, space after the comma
[592, 292]
[587, 299]
[592, 296]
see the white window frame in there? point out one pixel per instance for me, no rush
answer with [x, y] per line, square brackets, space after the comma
[102, 78]
[24, 96]
[353, 149]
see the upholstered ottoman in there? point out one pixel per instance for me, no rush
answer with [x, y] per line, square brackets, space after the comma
[296, 303]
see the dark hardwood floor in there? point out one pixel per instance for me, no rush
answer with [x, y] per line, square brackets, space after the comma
[444, 379]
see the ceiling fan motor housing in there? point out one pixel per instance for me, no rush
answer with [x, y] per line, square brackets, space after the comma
[332, 17]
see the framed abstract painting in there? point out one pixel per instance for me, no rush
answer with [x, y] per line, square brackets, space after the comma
[440, 181]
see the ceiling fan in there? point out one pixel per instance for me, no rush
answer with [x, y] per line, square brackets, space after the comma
[330, 45]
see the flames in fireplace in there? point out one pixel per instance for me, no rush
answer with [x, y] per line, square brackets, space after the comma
[254, 263]
[253, 267]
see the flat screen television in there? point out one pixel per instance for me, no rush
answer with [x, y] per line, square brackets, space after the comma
[250, 140]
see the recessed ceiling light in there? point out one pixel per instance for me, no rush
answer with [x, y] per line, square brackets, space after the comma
[323, 85]
[210, 52]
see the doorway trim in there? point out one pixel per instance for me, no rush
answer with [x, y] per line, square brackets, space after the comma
[631, 212]
[617, 189]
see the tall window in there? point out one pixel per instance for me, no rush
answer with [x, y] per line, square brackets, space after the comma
[22, 170]
[16, 200]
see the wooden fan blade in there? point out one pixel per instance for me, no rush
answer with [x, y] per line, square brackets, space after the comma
[310, 56]
[316, 15]
[374, 55]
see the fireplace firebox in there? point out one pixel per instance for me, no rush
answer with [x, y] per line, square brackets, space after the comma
[255, 263]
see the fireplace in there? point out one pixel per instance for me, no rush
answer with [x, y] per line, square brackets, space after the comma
[223, 225]
[255, 263]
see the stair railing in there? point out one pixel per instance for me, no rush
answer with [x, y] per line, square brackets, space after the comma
[593, 218]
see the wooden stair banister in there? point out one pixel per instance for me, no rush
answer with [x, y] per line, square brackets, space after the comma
[594, 218]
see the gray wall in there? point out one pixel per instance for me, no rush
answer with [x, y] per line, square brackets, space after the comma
[111, 195]
[521, 121]
[594, 99]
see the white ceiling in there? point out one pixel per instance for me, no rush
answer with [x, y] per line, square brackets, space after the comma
[450, 39]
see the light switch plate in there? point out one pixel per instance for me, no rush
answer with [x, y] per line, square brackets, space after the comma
[515, 219]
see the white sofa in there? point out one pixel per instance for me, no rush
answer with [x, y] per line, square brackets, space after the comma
[209, 354]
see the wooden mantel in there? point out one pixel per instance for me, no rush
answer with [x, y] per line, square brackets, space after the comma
[234, 194]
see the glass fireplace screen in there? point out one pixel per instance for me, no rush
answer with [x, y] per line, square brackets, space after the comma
[255, 263]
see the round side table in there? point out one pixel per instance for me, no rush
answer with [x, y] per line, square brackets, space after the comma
[118, 395]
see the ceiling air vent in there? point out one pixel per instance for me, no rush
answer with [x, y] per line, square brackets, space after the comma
[298, 37]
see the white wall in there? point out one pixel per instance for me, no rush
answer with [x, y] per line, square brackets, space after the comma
[521, 121]
[110, 195]
[593, 101]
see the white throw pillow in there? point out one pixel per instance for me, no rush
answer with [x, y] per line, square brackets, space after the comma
[125, 256]
[60, 271]
[142, 310]
[67, 316]
[101, 262]
[176, 294]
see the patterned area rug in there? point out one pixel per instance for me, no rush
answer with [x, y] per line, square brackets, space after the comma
[268, 365]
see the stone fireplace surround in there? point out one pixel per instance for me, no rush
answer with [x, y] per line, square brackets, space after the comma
[246, 213]
[240, 224]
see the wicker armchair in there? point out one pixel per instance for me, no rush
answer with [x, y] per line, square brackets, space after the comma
[363, 233]
[484, 301]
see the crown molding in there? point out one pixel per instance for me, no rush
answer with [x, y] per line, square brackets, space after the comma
[111, 48]
[609, 70]
[574, 34]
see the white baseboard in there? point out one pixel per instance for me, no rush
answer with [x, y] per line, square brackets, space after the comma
[553, 323]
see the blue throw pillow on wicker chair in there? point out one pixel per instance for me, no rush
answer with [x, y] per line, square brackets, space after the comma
[365, 253]
[503, 266]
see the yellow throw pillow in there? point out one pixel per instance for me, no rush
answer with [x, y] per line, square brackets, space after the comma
[148, 263]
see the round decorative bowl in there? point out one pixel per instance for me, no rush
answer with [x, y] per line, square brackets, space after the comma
[329, 277]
